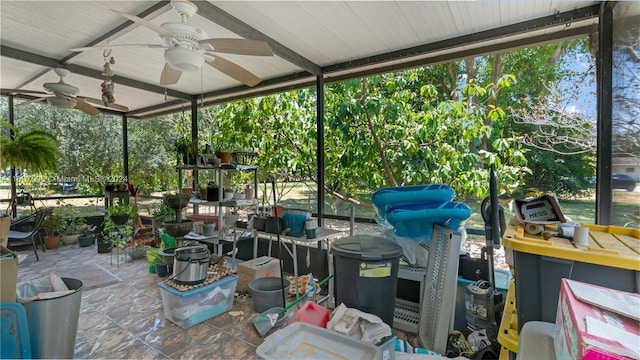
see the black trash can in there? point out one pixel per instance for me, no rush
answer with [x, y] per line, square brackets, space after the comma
[366, 274]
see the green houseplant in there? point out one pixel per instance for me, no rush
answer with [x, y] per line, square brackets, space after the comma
[86, 236]
[163, 213]
[52, 225]
[72, 224]
[31, 148]
[120, 213]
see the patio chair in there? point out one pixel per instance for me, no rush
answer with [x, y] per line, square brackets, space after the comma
[17, 237]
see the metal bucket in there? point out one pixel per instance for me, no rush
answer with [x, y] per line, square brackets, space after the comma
[190, 264]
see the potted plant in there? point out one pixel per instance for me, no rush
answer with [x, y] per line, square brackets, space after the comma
[31, 149]
[177, 227]
[120, 213]
[162, 214]
[71, 226]
[137, 251]
[202, 189]
[52, 225]
[231, 217]
[86, 236]
[104, 244]
[117, 235]
[177, 201]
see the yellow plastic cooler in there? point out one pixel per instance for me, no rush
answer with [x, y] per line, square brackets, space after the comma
[612, 259]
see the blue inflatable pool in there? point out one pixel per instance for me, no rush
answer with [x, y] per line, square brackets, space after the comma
[416, 220]
[384, 199]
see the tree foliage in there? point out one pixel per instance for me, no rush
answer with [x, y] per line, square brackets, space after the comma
[439, 124]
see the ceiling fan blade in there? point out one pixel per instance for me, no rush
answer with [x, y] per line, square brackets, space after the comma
[30, 101]
[101, 103]
[118, 46]
[20, 91]
[86, 107]
[159, 29]
[235, 71]
[239, 46]
[169, 75]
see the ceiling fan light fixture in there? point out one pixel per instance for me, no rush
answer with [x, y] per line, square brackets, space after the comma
[184, 59]
[62, 102]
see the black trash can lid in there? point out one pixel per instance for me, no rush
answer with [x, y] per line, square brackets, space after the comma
[366, 247]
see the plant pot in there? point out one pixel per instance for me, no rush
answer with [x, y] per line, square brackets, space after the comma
[120, 219]
[136, 253]
[69, 239]
[104, 248]
[85, 241]
[230, 219]
[224, 156]
[162, 270]
[203, 194]
[176, 203]
[187, 191]
[51, 242]
[178, 229]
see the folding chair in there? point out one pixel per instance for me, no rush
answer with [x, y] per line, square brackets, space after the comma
[24, 237]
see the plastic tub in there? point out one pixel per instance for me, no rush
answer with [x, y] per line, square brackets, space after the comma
[266, 293]
[366, 274]
[304, 341]
[188, 308]
[610, 260]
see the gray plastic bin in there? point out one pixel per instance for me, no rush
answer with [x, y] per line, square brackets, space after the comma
[53, 323]
[366, 274]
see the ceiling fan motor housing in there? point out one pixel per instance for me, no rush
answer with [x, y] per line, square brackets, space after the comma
[61, 88]
[184, 52]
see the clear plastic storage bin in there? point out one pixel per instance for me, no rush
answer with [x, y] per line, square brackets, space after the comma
[188, 308]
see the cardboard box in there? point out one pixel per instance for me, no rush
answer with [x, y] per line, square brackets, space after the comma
[594, 322]
[8, 275]
[5, 224]
[263, 266]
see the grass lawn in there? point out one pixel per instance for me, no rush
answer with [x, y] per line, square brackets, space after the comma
[303, 196]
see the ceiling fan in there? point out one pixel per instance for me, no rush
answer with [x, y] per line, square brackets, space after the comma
[65, 96]
[187, 47]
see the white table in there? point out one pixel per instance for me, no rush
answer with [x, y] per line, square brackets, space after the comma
[322, 234]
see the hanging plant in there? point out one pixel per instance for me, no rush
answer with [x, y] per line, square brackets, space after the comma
[31, 148]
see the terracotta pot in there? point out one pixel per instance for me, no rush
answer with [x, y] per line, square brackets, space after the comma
[225, 156]
[203, 194]
[51, 242]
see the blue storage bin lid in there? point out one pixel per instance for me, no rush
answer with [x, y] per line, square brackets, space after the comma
[224, 281]
[366, 247]
[14, 332]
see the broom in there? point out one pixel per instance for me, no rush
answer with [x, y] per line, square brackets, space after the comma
[264, 322]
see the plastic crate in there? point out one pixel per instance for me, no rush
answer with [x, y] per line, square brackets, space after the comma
[188, 308]
[508, 332]
[611, 260]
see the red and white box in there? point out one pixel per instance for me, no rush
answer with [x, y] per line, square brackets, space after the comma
[595, 322]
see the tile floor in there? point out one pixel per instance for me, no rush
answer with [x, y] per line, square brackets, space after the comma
[126, 320]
